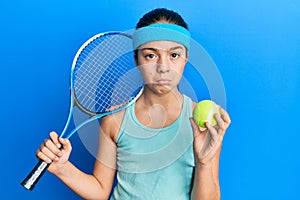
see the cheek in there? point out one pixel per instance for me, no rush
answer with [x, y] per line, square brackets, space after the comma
[147, 72]
[179, 69]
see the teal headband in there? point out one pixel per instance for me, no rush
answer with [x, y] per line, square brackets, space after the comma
[155, 32]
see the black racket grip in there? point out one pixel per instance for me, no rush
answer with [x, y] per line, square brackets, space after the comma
[35, 174]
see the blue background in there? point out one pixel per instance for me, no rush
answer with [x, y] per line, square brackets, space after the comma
[255, 44]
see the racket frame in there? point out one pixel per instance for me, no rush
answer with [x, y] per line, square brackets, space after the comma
[36, 173]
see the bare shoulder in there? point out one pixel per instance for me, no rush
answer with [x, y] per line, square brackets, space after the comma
[110, 124]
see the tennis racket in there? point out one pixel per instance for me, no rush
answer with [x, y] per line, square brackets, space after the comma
[104, 80]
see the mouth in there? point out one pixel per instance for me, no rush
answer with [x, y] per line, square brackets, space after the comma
[163, 82]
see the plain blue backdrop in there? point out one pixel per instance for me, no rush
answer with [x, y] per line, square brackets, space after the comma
[255, 44]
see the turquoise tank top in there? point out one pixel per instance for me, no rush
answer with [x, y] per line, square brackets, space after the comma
[155, 163]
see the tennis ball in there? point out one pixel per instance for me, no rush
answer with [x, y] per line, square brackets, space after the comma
[204, 112]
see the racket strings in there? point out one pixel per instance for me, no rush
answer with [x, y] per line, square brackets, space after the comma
[105, 76]
[108, 76]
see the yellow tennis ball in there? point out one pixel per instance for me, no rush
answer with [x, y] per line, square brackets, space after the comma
[204, 112]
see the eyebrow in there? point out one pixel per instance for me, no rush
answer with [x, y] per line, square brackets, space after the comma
[155, 49]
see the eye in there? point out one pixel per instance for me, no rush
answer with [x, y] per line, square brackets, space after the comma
[175, 55]
[150, 56]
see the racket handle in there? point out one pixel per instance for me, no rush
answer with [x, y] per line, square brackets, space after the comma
[35, 174]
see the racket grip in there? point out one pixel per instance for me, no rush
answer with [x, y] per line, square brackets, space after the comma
[35, 174]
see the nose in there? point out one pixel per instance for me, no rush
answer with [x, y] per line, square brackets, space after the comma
[163, 65]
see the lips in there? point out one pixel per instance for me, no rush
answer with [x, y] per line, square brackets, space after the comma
[163, 82]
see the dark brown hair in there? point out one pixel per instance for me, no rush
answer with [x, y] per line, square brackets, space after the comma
[161, 14]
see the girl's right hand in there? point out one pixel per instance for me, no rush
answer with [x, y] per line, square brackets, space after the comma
[56, 151]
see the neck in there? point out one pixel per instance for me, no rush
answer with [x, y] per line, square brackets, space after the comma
[173, 98]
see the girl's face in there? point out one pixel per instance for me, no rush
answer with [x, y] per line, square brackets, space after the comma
[162, 64]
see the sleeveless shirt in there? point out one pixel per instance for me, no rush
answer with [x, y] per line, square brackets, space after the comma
[155, 163]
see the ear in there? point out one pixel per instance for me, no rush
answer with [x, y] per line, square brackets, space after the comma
[186, 57]
[135, 56]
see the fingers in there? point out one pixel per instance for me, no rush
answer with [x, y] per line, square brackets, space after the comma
[213, 139]
[223, 121]
[194, 127]
[225, 116]
[197, 129]
[213, 130]
[220, 127]
[220, 122]
[66, 144]
[54, 137]
[42, 156]
[49, 151]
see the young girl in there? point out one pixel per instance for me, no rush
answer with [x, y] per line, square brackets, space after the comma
[154, 147]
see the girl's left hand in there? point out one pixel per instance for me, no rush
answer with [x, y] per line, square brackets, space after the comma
[207, 141]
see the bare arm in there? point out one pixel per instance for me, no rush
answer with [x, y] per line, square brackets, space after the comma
[207, 148]
[206, 181]
[85, 185]
[97, 185]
